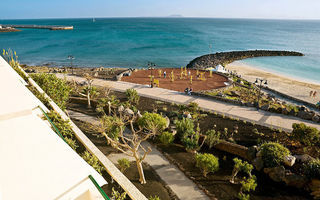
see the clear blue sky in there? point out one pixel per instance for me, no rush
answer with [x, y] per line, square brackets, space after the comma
[274, 9]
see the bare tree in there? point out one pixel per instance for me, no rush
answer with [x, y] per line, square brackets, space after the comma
[120, 132]
[89, 91]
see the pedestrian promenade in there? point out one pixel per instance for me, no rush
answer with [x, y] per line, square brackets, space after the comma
[260, 117]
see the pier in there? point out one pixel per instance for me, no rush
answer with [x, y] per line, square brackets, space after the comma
[39, 27]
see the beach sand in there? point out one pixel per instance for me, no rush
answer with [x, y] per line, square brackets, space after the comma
[287, 85]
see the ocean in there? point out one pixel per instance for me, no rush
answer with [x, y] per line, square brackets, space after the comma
[167, 42]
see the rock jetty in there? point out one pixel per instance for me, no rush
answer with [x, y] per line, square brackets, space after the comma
[224, 58]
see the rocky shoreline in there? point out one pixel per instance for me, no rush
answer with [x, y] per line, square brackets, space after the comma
[225, 58]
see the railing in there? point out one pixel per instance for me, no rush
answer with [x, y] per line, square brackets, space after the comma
[105, 196]
[55, 128]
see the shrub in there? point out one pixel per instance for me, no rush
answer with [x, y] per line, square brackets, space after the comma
[56, 88]
[305, 134]
[273, 153]
[117, 195]
[184, 127]
[154, 198]
[166, 138]
[72, 143]
[152, 122]
[63, 126]
[93, 161]
[124, 164]
[133, 96]
[207, 163]
[240, 165]
[312, 169]
[247, 185]
[213, 137]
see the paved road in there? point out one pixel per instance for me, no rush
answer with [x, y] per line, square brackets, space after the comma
[245, 113]
[181, 185]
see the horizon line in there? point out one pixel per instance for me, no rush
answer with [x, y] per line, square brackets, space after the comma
[168, 17]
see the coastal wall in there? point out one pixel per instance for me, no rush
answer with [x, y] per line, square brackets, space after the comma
[224, 58]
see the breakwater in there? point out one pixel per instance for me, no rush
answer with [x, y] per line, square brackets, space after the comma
[224, 58]
[39, 27]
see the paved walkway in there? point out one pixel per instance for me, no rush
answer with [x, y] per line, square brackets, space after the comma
[181, 185]
[245, 113]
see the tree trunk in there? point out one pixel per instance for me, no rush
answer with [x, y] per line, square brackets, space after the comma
[141, 174]
[89, 101]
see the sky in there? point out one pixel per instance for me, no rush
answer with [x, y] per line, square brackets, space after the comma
[266, 9]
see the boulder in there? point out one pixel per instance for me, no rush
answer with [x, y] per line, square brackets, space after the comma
[128, 111]
[295, 180]
[289, 160]
[304, 115]
[265, 107]
[316, 118]
[258, 163]
[276, 173]
[303, 158]
[96, 74]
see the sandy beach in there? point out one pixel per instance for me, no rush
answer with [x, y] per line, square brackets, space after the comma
[287, 85]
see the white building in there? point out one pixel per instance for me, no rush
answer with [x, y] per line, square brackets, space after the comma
[36, 163]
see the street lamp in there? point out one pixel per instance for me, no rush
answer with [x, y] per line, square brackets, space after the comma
[70, 57]
[151, 66]
[260, 86]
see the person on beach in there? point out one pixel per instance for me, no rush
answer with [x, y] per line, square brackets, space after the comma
[189, 73]
[164, 74]
[311, 93]
[314, 94]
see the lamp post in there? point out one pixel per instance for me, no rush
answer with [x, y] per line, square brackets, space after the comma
[151, 66]
[70, 57]
[260, 86]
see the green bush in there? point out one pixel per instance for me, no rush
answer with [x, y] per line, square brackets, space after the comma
[124, 164]
[72, 143]
[93, 161]
[113, 126]
[132, 96]
[184, 127]
[273, 154]
[312, 169]
[63, 126]
[213, 137]
[152, 122]
[207, 163]
[166, 138]
[56, 88]
[305, 134]
[117, 195]
[154, 198]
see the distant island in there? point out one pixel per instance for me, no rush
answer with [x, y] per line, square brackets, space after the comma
[224, 58]
[175, 16]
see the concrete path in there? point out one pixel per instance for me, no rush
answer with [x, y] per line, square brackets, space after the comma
[245, 113]
[181, 185]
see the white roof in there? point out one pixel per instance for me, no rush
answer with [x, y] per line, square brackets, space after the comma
[36, 162]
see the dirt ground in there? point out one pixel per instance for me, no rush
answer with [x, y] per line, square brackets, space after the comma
[143, 77]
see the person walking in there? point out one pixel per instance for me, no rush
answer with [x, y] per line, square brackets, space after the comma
[164, 74]
[311, 93]
[314, 94]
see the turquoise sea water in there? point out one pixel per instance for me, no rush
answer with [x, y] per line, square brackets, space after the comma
[168, 42]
